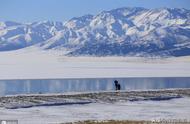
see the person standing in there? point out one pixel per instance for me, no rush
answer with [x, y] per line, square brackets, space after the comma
[117, 85]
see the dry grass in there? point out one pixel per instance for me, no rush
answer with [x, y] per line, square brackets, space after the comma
[112, 122]
[125, 122]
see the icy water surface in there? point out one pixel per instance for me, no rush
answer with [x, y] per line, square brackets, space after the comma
[13, 87]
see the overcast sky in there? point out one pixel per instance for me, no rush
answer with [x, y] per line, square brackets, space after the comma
[62, 10]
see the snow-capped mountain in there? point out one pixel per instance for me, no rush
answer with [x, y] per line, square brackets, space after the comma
[123, 31]
[16, 35]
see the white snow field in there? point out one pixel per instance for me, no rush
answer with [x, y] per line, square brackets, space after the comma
[33, 63]
[141, 110]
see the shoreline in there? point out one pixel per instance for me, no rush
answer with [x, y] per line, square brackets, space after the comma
[184, 90]
[36, 100]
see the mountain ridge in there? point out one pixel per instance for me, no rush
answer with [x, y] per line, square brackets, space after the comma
[122, 31]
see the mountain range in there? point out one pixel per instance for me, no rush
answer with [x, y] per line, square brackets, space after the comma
[118, 32]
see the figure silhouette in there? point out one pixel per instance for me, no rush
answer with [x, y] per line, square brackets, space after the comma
[117, 85]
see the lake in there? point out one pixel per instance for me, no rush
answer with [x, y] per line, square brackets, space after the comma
[36, 86]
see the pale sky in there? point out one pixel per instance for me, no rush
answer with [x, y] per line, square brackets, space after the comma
[62, 10]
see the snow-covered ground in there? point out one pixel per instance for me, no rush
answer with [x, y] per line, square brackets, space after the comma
[126, 105]
[140, 110]
[32, 63]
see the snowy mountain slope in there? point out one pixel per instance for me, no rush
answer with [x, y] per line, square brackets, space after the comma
[123, 31]
[15, 35]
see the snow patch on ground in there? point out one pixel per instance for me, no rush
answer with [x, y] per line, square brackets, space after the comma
[33, 63]
[140, 110]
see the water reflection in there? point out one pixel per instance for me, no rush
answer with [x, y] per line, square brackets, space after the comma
[10, 87]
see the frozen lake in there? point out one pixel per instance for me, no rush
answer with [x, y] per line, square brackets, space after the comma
[36, 86]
